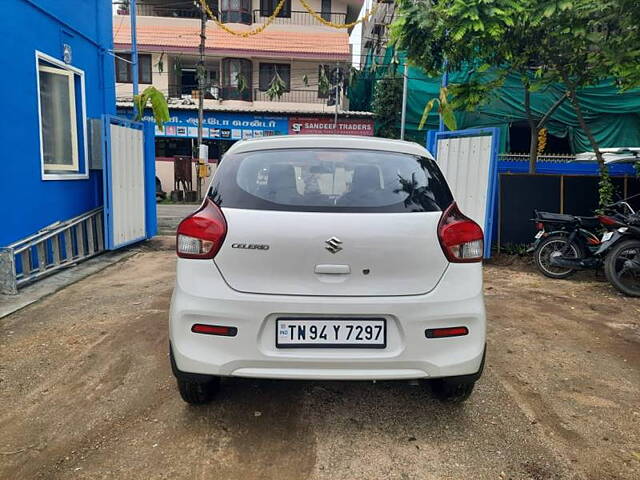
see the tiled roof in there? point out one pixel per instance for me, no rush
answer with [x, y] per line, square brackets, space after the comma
[183, 35]
[267, 107]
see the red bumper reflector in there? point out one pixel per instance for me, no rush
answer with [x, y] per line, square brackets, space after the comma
[214, 330]
[446, 332]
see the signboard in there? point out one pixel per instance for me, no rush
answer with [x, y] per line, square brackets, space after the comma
[325, 125]
[222, 125]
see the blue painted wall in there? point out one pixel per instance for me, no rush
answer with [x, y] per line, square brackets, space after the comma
[28, 203]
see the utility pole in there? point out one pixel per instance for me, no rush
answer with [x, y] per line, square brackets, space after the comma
[335, 118]
[404, 100]
[338, 82]
[201, 88]
[133, 10]
[445, 84]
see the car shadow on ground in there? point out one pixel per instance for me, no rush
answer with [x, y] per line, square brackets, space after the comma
[353, 401]
[349, 421]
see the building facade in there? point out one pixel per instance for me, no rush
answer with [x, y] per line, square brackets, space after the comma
[61, 76]
[297, 50]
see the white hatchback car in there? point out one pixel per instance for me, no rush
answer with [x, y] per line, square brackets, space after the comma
[328, 258]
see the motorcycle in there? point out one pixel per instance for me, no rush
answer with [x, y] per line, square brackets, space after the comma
[564, 243]
[621, 248]
[567, 243]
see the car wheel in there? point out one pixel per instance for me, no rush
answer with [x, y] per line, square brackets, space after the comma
[451, 390]
[198, 393]
[194, 388]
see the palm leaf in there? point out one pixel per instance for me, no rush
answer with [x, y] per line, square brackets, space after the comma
[425, 113]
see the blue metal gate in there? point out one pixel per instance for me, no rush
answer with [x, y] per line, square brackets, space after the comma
[128, 181]
[469, 161]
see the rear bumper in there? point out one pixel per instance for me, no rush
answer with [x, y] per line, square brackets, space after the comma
[456, 301]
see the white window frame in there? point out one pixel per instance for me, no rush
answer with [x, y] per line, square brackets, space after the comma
[74, 173]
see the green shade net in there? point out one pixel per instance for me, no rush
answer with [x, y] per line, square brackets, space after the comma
[614, 117]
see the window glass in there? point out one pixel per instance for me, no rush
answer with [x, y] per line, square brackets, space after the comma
[326, 10]
[267, 7]
[58, 120]
[124, 68]
[234, 72]
[144, 68]
[268, 73]
[330, 180]
[236, 11]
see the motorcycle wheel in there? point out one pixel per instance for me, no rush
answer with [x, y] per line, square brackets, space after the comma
[622, 267]
[552, 246]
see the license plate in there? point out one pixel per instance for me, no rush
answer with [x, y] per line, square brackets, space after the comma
[606, 237]
[539, 234]
[331, 333]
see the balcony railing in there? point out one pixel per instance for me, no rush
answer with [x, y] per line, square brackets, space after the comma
[233, 93]
[300, 18]
[296, 17]
[248, 95]
[154, 11]
[292, 96]
[178, 90]
[545, 157]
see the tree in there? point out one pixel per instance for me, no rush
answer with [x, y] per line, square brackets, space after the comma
[587, 42]
[488, 39]
[575, 42]
[387, 104]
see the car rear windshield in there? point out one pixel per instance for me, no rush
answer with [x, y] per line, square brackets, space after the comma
[330, 180]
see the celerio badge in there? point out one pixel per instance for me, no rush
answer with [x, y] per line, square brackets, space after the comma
[250, 246]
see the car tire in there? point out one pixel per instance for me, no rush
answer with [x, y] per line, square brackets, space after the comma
[450, 390]
[198, 393]
[194, 388]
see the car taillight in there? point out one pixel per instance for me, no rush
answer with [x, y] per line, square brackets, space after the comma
[461, 238]
[201, 234]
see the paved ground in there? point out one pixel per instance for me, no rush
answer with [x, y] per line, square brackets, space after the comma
[87, 393]
[170, 215]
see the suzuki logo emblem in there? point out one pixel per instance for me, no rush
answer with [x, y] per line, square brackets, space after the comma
[334, 244]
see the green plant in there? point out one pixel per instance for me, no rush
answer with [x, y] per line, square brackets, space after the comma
[277, 87]
[605, 187]
[242, 83]
[519, 249]
[387, 105]
[160, 64]
[158, 102]
[323, 82]
[444, 109]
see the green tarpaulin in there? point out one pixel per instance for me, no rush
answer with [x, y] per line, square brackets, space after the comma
[614, 117]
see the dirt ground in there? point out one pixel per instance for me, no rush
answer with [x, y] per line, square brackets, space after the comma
[87, 393]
